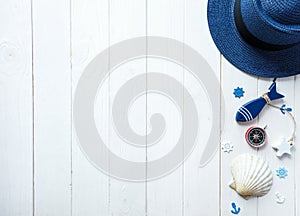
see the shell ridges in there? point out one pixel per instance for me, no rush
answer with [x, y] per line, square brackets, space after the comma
[251, 176]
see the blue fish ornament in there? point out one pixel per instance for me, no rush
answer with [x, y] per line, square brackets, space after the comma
[250, 110]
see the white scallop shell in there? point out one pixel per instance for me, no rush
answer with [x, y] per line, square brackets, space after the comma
[251, 176]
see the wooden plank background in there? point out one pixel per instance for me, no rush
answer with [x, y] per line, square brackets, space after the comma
[44, 48]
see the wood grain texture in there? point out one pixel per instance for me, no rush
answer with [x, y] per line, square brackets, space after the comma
[201, 184]
[89, 36]
[128, 20]
[165, 195]
[52, 107]
[45, 47]
[16, 145]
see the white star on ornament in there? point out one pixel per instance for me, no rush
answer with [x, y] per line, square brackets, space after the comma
[284, 147]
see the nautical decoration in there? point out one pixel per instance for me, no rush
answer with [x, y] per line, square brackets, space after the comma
[227, 147]
[284, 109]
[250, 110]
[279, 198]
[238, 92]
[256, 136]
[251, 176]
[236, 210]
[282, 172]
[284, 147]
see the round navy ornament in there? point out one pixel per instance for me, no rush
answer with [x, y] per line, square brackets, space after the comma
[256, 136]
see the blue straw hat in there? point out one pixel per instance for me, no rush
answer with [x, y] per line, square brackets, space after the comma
[260, 37]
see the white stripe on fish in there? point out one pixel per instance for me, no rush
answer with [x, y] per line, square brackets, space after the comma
[244, 115]
[247, 111]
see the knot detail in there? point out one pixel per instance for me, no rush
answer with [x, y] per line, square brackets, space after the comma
[266, 97]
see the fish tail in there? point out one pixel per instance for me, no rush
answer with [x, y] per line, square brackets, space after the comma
[273, 94]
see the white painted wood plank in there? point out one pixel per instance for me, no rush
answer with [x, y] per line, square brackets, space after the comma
[278, 125]
[127, 20]
[296, 148]
[189, 190]
[235, 133]
[90, 31]
[16, 152]
[165, 194]
[52, 107]
[201, 184]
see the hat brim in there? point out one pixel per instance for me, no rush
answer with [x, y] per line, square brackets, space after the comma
[255, 61]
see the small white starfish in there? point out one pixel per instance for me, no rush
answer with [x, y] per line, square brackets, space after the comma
[284, 147]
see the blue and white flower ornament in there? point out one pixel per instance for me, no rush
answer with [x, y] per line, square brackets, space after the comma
[281, 172]
[238, 92]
